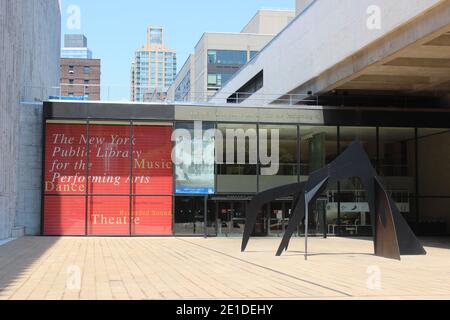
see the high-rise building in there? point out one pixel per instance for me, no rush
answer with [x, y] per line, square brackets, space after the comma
[80, 73]
[219, 55]
[154, 68]
[75, 47]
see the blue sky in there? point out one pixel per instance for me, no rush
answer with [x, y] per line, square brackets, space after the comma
[116, 28]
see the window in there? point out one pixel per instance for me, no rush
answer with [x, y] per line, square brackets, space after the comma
[287, 137]
[71, 81]
[232, 57]
[237, 170]
[87, 70]
[434, 175]
[71, 69]
[397, 165]
[86, 81]
[241, 159]
[219, 79]
[318, 148]
[213, 79]
[156, 35]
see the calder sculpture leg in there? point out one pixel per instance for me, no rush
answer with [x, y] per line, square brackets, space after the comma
[259, 201]
[392, 235]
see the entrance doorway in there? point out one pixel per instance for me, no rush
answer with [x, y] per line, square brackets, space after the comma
[231, 218]
[189, 216]
[279, 214]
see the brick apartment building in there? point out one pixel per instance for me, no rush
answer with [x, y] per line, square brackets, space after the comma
[81, 78]
[80, 74]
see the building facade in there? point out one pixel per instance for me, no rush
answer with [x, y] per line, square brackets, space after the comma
[154, 68]
[218, 56]
[133, 186]
[387, 60]
[81, 78]
[80, 74]
[29, 64]
[75, 47]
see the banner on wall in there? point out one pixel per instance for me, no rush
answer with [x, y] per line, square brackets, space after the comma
[91, 173]
[195, 175]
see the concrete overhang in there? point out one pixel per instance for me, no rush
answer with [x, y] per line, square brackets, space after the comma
[414, 59]
[327, 50]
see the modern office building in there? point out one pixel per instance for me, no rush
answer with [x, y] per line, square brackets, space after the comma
[133, 187]
[373, 53]
[29, 67]
[319, 85]
[75, 47]
[80, 73]
[154, 68]
[219, 55]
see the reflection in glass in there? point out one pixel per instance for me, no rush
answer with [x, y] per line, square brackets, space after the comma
[352, 209]
[189, 216]
[231, 218]
[287, 147]
[397, 166]
[244, 147]
[434, 176]
[318, 148]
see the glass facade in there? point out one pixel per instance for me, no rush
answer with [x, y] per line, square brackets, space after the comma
[156, 36]
[76, 53]
[433, 161]
[154, 68]
[227, 57]
[153, 72]
[117, 178]
[223, 64]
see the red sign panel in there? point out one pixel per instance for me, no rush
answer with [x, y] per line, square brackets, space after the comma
[65, 159]
[109, 158]
[152, 160]
[109, 215]
[152, 216]
[107, 154]
[64, 216]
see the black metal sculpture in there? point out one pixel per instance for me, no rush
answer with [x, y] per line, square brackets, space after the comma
[392, 235]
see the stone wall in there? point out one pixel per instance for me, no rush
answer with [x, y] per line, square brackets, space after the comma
[29, 57]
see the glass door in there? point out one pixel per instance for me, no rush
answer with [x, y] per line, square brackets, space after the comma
[189, 216]
[224, 214]
[231, 218]
[261, 226]
[279, 218]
